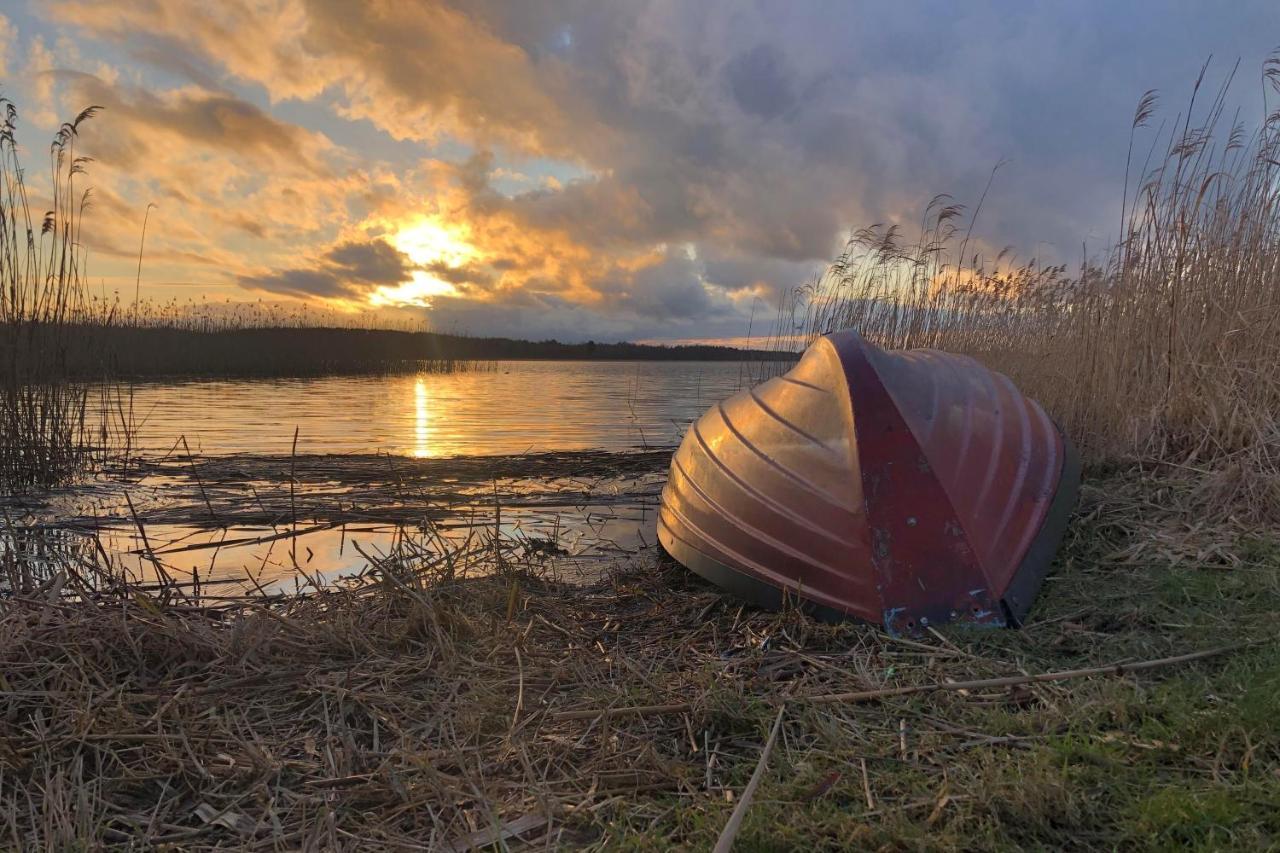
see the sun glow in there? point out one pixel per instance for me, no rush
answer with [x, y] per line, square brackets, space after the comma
[429, 244]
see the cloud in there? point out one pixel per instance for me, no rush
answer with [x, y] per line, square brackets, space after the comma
[683, 160]
[416, 69]
[466, 277]
[7, 38]
[192, 117]
[234, 187]
[544, 316]
[760, 83]
[345, 271]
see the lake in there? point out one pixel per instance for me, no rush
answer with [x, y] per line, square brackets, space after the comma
[250, 514]
[508, 407]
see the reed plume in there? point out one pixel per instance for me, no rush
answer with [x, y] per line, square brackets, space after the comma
[44, 428]
[1164, 350]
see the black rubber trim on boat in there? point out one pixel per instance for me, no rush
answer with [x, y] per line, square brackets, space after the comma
[1031, 572]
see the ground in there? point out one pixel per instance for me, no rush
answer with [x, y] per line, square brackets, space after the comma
[434, 707]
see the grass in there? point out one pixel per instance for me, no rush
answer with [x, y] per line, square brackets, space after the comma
[428, 705]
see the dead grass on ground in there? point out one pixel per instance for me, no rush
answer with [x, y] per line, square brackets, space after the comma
[428, 708]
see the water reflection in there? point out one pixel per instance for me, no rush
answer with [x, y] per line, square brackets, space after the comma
[242, 558]
[513, 408]
[30, 555]
[259, 535]
[422, 419]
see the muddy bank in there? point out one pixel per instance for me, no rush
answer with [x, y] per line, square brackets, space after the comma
[254, 489]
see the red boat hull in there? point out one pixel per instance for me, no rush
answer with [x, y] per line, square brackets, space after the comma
[903, 488]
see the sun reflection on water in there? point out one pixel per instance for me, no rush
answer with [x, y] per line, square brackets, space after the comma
[421, 419]
[504, 408]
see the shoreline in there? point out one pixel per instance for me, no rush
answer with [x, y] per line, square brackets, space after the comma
[92, 351]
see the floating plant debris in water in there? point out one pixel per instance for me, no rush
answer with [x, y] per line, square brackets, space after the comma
[278, 521]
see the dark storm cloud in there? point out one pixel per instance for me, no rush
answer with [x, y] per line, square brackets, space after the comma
[774, 128]
[463, 277]
[733, 271]
[760, 83]
[762, 134]
[540, 316]
[375, 262]
[671, 289]
[348, 270]
[324, 283]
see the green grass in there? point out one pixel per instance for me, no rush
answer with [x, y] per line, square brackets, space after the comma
[1184, 759]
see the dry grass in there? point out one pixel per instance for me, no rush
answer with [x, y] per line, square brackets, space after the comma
[429, 706]
[1164, 351]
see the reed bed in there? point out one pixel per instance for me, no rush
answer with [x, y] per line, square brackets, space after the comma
[46, 433]
[152, 352]
[147, 339]
[272, 339]
[174, 345]
[1164, 350]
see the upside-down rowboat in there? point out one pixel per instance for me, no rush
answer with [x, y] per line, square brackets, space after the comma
[904, 488]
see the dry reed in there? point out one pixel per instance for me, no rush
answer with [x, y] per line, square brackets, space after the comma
[45, 432]
[1163, 351]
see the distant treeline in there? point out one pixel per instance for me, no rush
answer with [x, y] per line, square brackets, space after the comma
[154, 351]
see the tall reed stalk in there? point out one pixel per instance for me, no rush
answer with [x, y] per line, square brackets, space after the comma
[1166, 350]
[44, 437]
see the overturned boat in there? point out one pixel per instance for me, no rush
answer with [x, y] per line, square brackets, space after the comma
[905, 488]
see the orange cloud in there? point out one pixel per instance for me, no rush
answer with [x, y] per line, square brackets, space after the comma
[417, 70]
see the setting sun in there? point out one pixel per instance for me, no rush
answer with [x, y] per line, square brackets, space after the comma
[428, 244]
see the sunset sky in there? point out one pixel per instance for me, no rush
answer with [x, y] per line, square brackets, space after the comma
[637, 170]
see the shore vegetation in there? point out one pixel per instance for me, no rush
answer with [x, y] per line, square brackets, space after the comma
[464, 698]
[46, 433]
[1159, 351]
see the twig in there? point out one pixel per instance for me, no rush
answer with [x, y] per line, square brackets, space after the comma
[199, 483]
[293, 506]
[1119, 668]
[866, 784]
[730, 831]
[150, 554]
[632, 710]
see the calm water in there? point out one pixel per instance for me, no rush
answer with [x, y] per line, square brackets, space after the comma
[516, 407]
